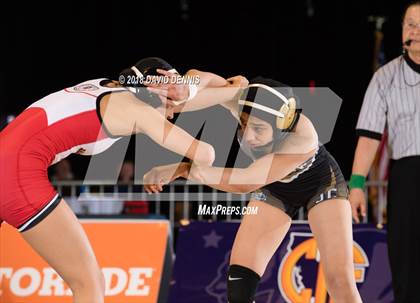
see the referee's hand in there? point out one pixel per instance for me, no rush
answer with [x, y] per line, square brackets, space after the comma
[358, 204]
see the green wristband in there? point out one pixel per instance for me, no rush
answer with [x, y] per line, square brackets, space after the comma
[357, 181]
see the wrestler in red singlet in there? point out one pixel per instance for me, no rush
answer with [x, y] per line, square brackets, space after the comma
[47, 131]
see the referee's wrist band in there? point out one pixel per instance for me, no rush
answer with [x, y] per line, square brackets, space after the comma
[357, 181]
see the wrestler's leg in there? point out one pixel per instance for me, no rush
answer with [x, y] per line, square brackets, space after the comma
[257, 240]
[331, 225]
[61, 241]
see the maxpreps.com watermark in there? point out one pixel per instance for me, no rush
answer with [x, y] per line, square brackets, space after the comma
[227, 210]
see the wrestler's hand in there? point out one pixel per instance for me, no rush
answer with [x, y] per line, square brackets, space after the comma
[237, 81]
[172, 89]
[158, 176]
[358, 203]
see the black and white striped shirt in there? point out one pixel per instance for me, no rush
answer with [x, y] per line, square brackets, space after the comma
[393, 100]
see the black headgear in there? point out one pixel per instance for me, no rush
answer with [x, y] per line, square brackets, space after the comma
[273, 102]
[134, 77]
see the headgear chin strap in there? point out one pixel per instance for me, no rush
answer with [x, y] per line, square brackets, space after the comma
[277, 106]
[134, 77]
[253, 152]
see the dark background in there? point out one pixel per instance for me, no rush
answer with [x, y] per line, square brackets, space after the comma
[47, 47]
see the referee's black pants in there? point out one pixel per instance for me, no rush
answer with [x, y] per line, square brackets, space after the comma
[404, 228]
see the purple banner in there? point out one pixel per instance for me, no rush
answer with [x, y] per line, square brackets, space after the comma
[293, 274]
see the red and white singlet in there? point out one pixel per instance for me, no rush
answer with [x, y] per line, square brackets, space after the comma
[49, 130]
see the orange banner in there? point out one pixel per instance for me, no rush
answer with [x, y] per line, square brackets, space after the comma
[130, 252]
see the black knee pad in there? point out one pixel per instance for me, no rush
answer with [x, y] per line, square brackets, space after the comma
[242, 284]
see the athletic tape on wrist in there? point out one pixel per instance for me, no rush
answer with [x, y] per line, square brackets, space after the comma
[193, 90]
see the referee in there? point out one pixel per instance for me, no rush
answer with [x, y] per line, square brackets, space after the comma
[392, 100]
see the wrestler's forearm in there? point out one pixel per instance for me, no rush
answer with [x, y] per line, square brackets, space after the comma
[219, 178]
[207, 79]
[208, 97]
